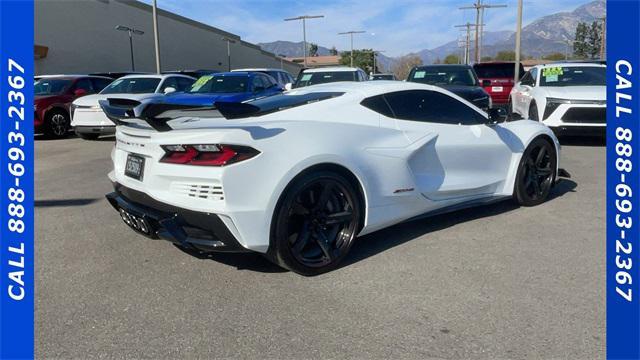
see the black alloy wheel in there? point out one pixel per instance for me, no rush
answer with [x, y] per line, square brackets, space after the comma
[536, 173]
[57, 124]
[316, 223]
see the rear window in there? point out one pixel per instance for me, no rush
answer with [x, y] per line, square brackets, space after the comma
[489, 71]
[132, 86]
[307, 79]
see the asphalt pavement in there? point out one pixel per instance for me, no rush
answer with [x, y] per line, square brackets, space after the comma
[498, 281]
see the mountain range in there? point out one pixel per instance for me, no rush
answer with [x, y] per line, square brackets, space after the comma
[543, 36]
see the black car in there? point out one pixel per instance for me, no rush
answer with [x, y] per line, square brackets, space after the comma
[459, 79]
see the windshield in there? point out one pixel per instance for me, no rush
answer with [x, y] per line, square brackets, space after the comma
[492, 71]
[132, 86]
[220, 84]
[573, 76]
[50, 86]
[307, 79]
[442, 76]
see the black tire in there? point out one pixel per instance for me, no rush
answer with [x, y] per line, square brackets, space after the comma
[536, 173]
[57, 124]
[315, 223]
[533, 111]
[88, 136]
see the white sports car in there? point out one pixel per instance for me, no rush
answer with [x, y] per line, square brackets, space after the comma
[298, 176]
[570, 98]
[87, 118]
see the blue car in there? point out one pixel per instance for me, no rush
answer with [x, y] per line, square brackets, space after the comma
[226, 87]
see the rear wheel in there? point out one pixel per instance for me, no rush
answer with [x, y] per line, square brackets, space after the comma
[536, 173]
[316, 223]
[57, 124]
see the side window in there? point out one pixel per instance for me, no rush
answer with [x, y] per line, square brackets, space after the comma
[184, 84]
[268, 82]
[169, 82]
[431, 106]
[527, 79]
[84, 84]
[99, 83]
[378, 104]
[257, 84]
[534, 76]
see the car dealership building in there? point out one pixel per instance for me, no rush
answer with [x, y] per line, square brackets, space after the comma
[73, 37]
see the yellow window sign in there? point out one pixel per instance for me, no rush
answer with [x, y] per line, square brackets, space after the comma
[200, 82]
[552, 71]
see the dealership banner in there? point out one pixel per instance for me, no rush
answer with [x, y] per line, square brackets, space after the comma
[623, 180]
[16, 180]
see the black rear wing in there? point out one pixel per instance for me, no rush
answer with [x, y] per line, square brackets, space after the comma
[157, 115]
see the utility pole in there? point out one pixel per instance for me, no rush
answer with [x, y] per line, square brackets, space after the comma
[516, 75]
[480, 7]
[603, 39]
[351, 34]
[373, 71]
[467, 49]
[156, 38]
[229, 42]
[304, 31]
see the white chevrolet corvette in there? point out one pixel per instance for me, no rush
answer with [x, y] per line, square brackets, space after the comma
[298, 176]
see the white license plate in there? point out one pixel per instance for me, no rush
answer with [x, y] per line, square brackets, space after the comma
[496, 89]
[134, 167]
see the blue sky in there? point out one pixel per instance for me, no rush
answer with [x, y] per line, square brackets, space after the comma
[398, 27]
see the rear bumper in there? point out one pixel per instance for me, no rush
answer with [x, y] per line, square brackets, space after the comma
[579, 130]
[191, 229]
[101, 130]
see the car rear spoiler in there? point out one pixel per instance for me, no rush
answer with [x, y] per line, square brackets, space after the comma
[158, 114]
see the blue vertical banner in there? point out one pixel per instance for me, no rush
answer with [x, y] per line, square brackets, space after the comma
[623, 180]
[16, 180]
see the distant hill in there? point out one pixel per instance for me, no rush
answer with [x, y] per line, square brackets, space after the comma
[543, 36]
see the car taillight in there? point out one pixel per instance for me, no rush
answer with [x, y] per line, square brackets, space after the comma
[207, 154]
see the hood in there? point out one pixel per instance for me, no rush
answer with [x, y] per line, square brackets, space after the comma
[92, 100]
[205, 99]
[577, 92]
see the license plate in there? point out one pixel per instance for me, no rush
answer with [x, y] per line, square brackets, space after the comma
[135, 222]
[496, 89]
[134, 167]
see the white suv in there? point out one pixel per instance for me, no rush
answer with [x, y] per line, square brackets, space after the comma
[570, 98]
[308, 77]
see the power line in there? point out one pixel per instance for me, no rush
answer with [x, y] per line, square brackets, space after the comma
[480, 7]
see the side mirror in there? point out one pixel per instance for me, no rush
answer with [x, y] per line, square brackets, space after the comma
[169, 90]
[497, 115]
[80, 92]
[486, 83]
[288, 86]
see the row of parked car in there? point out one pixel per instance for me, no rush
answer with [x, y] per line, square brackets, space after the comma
[569, 97]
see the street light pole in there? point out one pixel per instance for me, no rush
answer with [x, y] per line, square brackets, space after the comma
[351, 34]
[229, 42]
[156, 38]
[130, 31]
[304, 31]
[516, 75]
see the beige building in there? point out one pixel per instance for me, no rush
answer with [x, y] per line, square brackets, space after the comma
[79, 36]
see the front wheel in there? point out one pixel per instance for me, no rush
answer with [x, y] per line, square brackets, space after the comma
[316, 223]
[536, 173]
[57, 124]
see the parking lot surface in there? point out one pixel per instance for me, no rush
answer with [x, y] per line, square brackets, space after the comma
[498, 281]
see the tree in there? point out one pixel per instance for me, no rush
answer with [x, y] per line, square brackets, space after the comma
[362, 58]
[438, 61]
[506, 56]
[554, 56]
[313, 49]
[452, 59]
[403, 66]
[581, 45]
[486, 58]
[333, 51]
[594, 38]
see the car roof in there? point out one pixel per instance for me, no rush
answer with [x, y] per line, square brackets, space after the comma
[365, 88]
[570, 64]
[331, 69]
[443, 66]
[256, 69]
[154, 76]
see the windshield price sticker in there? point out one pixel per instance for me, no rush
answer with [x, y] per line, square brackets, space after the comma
[200, 82]
[552, 71]
[419, 74]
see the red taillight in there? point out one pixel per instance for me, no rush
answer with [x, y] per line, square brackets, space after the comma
[206, 154]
